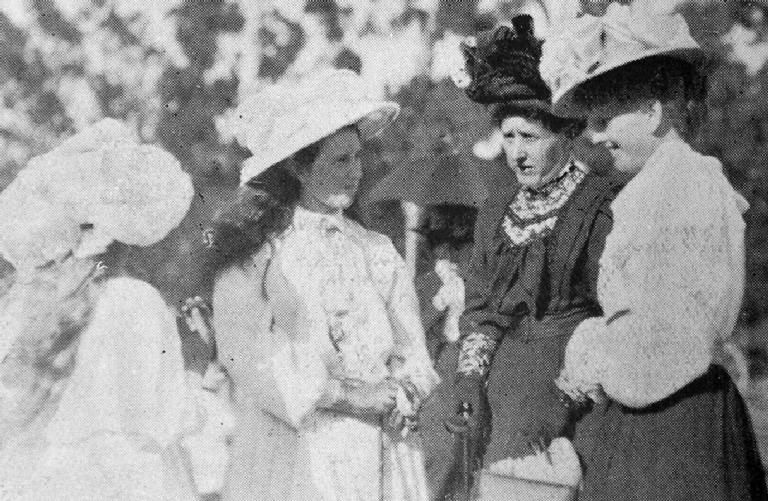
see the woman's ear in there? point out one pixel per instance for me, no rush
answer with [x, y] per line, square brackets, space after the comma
[655, 112]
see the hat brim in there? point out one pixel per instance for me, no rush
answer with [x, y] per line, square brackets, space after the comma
[371, 119]
[564, 103]
[523, 105]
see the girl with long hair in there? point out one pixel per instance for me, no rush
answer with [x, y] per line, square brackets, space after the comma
[316, 317]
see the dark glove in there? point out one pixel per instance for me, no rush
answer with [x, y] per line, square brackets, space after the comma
[554, 414]
[470, 410]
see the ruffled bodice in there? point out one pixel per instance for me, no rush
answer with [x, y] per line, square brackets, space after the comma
[356, 292]
[326, 303]
[536, 257]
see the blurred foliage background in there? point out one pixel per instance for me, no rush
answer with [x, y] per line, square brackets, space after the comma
[174, 69]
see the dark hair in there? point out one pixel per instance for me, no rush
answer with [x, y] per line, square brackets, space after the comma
[569, 126]
[448, 224]
[261, 209]
[657, 78]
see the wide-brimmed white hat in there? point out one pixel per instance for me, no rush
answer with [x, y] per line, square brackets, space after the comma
[589, 46]
[283, 118]
[102, 176]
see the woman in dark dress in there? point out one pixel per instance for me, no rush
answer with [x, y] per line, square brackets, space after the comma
[671, 277]
[532, 276]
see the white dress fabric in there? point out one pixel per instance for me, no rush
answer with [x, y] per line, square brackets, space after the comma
[671, 281]
[112, 432]
[329, 302]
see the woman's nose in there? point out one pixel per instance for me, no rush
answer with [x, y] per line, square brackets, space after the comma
[518, 151]
[596, 137]
[355, 172]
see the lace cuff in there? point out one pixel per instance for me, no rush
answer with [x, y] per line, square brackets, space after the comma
[477, 350]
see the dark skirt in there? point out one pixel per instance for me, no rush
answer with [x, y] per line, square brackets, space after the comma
[697, 444]
[525, 406]
[441, 459]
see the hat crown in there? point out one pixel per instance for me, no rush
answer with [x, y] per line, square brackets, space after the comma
[592, 45]
[279, 109]
[503, 64]
[283, 118]
[129, 192]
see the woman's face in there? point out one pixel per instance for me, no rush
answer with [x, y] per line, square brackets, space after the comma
[332, 182]
[627, 130]
[534, 153]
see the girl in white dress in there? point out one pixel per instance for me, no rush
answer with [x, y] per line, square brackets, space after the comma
[93, 398]
[316, 317]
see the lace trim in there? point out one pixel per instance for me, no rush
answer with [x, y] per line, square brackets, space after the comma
[533, 214]
[476, 354]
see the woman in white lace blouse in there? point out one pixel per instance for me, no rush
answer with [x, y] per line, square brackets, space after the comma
[316, 317]
[671, 276]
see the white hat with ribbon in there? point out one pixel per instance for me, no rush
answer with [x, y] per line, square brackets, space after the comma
[281, 119]
[102, 176]
[589, 46]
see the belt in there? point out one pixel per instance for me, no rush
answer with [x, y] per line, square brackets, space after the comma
[529, 328]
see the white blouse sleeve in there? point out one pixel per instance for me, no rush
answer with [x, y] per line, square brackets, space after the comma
[282, 371]
[675, 288]
[390, 271]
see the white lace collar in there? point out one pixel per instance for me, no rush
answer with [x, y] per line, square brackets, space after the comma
[304, 219]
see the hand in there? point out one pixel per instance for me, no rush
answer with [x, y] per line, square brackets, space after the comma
[376, 399]
[451, 293]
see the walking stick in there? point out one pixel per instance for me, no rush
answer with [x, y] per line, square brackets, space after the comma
[460, 432]
[466, 412]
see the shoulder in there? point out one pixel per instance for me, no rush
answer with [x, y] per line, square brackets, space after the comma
[491, 212]
[372, 240]
[602, 187]
[694, 186]
[132, 308]
[238, 281]
[126, 293]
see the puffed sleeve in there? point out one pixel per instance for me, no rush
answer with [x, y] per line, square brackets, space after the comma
[673, 289]
[280, 369]
[129, 377]
[399, 293]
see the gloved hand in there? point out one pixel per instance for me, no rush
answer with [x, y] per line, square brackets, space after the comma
[469, 397]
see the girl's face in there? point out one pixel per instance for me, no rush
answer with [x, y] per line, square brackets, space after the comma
[534, 153]
[331, 184]
[627, 130]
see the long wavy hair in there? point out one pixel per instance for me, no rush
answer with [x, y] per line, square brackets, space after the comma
[51, 309]
[261, 209]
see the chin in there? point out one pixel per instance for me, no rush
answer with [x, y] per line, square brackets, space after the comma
[340, 201]
[529, 181]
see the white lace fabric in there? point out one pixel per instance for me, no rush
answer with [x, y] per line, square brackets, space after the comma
[339, 306]
[671, 281]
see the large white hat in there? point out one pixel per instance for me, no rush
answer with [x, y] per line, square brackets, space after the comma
[102, 176]
[282, 119]
[586, 47]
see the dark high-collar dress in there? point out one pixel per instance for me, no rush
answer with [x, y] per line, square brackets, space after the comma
[531, 280]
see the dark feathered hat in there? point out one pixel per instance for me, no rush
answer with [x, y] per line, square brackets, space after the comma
[504, 66]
